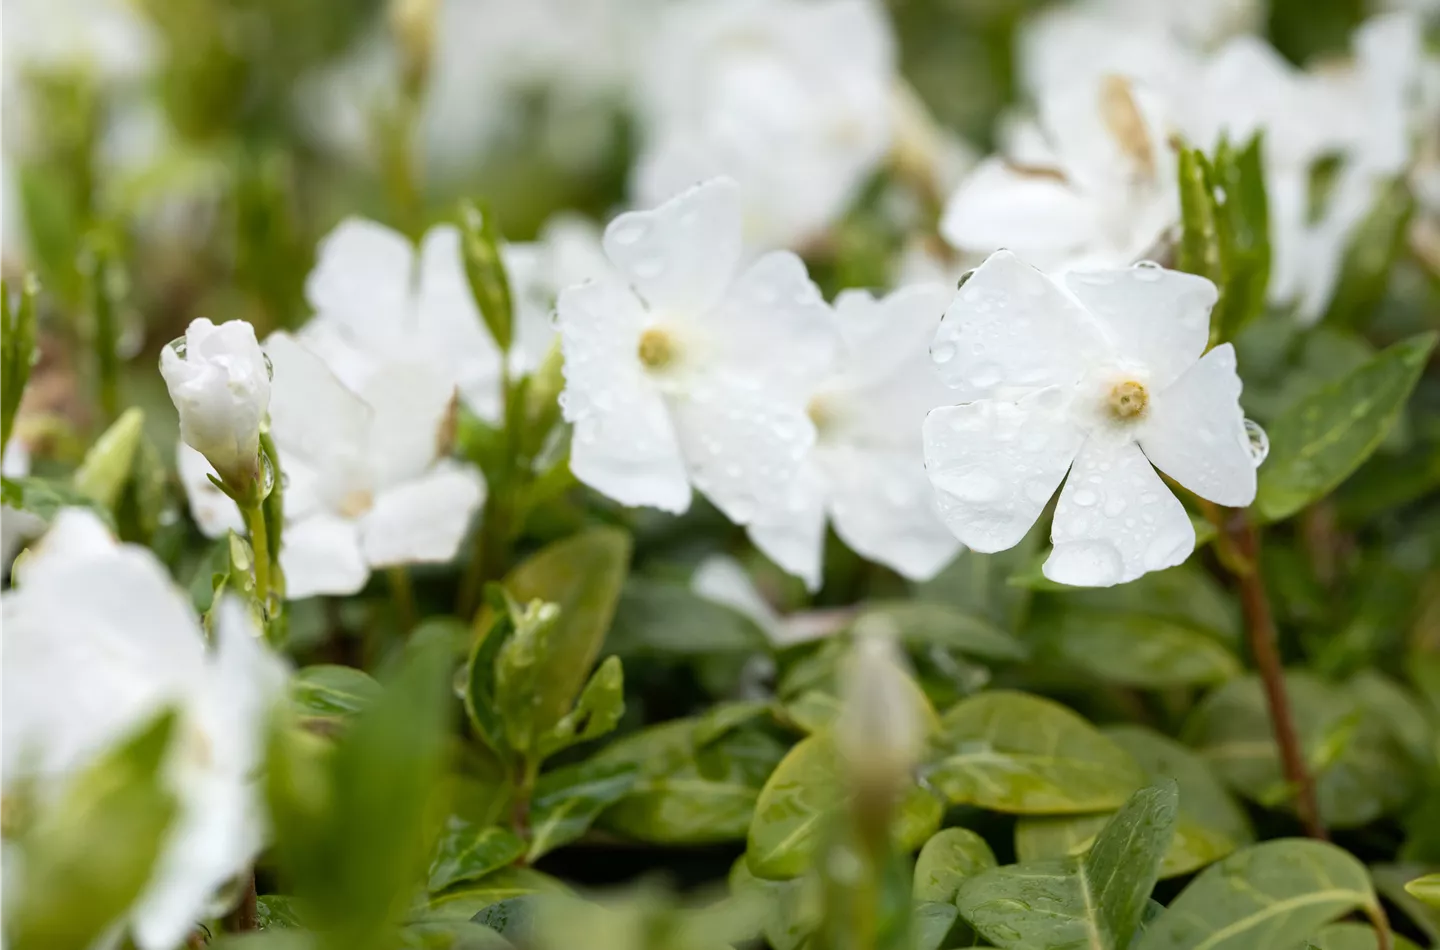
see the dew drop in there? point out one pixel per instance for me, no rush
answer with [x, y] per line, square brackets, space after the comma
[628, 233]
[942, 353]
[975, 487]
[649, 268]
[1257, 442]
[1085, 498]
[1085, 564]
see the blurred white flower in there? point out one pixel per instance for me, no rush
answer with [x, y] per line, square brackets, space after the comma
[680, 366]
[16, 526]
[367, 483]
[98, 641]
[1092, 186]
[1071, 43]
[220, 384]
[722, 580]
[1102, 378]
[790, 98]
[110, 38]
[566, 253]
[866, 471]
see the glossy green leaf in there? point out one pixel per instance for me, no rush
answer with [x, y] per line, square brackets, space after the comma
[1356, 936]
[1372, 250]
[43, 497]
[108, 463]
[567, 801]
[596, 712]
[1243, 228]
[790, 910]
[919, 624]
[520, 670]
[452, 935]
[277, 912]
[1318, 442]
[1013, 752]
[931, 924]
[1391, 880]
[466, 852]
[1095, 901]
[332, 692]
[464, 901]
[800, 800]
[1268, 895]
[480, 243]
[583, 575]
[666, 619]
[1136, 650]
[947, 860]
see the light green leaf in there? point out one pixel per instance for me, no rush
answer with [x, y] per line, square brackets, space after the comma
[1425, 889]
[466, 852]
[1135, 649]
[1356, 936]
[567, 801]
[791, 910]
[1268, 895]
[332, 692]
[452, 935]
[920, 624]
[1391, 881]
[19, 333]
[596, 712]
[466, 900]
[1096, 901]
[1318, 442]
[947, 860]
[107, 464]
[276, 912]
[485, 270]
[1013, 752]
[930, 925]
[43, 497]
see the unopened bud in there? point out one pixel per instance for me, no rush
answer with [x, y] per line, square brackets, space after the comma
[880, 731]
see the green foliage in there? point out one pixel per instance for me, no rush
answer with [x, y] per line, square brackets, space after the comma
[18, 333]
[480, 243]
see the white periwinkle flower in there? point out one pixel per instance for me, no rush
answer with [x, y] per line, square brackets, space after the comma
[1093, 186]
[1104, 378]
[98, 641]
[681, 366]
[220, 383]
[367, 481]
[867, 468]
[791, 98]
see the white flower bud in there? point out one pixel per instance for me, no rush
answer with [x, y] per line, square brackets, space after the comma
[220, 382]
[881, 729]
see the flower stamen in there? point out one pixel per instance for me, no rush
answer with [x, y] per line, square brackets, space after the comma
[1128, 400]
[657, 348]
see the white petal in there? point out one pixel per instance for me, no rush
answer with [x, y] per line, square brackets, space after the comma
[721, 580]
[246, 679]
[362, 278]
[773, 325]
[447, 317]
[214, 511]
[792, 534]
[742, 443]
[679, 256]
[885, 510]
[1035, 213]
[1115, 520]
[75, 534]
[1110, 135]
[1158, 318]
[411, 404]
[321, 555]
[624, 443]
[1195, 432]
[883, 336]
[1010, 330]
[994, 464]
[422, 520]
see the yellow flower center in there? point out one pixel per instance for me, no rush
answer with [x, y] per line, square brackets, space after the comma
[1128, 400]
[657, 349]
[356, 503]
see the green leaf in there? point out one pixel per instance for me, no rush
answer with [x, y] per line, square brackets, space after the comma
[1013, 752]
[1371, 253]
[465, 901]
[1199, 251]
[1243, 229]
[277, 912]
[1425, 889]
[1318, 442]
[513, 919]
[1269, 895]
[453, 935]
[919, 624]
[1356, 936]
[89, 854]
[107, 465]
[43, 497]
[520, 669]
[1095, 901]
[583, 575]
[1391, 881]
[19, 333]
[466, 852]
[790, 910]
[801, 798]
[480, 243]
[480, 704]
[567, 801]
[946, 861]
[332, 693]
[689, 792]
[660, 619]
[1136, 650]
[931, 924]
[596, 712]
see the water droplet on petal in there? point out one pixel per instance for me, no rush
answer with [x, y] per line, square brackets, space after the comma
[976, 487]
[942, 352]
[1257, 441]
[1085, 498]
[628, 234]
[1085, 564]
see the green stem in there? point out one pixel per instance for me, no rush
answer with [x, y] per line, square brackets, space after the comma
[260, 548]
[403, 591]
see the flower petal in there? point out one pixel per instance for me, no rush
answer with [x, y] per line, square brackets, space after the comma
[1196, 434]
[1116, 520]
[720, 579]
[624, 444]
[448, 319]
[994, 464]
[792, 534]
[680, 255]
[412, 406]
[1158, 318]
[1010, 330]
[1034, 212]
[885, 510]
[321, 555]
[214, 511]
[362, 279]
[423, 520]
[773, 325]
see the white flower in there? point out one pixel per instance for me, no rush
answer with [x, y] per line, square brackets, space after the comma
[866, 471]
[1094, 186]
[1103, 378]
[721, 580]
[790, 98]
[220, 384]
[681, 367]
[98, 641]
[567, 252]
[367, 485]
[1069, 43]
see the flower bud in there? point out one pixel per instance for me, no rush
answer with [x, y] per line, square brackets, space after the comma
[881, 728]
[219, 380]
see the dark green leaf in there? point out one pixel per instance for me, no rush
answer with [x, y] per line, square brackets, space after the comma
[1372, 251]
[466, 852]
[1136, 649]
[1390, 880]
[567, 801]
[276, 912]
[655, 618]
[596, 712]
[332, 692]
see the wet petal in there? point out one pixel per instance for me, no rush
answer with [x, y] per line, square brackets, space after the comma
[1010, 330]
[321, 555]
[362, 279]
[680, 256]
[1158, 318]
[994, 464]
[1035, 213]
[773, 325]
[214, 511]
[1195, 432]
[1115, 520]
[792, 534]
[449, 321]
[884, 509]
[412, 406]
[422, 520]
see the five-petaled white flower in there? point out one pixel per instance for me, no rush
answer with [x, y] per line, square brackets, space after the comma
[682, 367]
[367, 481]
[1101, 379]
[867, 468]
[1092, 186]
[98, 641]
[220, 383]
[792, 98]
